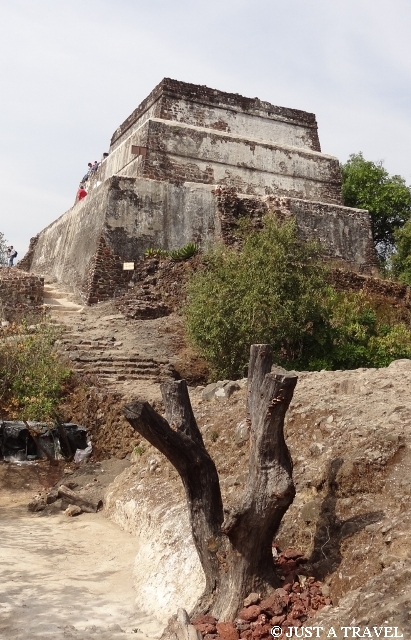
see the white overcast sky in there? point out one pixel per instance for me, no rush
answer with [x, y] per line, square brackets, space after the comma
[72, 71]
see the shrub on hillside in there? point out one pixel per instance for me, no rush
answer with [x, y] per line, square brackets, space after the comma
[276, 291]
[273, 291]
[32, 377]
[401, 260]
[362, 335]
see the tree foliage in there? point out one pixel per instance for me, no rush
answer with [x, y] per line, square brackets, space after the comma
[367, 185]
[401, 260]
[3, 250]
[32, 377]
[276, 291]
[270, 292]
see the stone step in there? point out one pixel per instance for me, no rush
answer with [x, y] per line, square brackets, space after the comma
[115, 359]
[108, 367]
[125, 378]
[149, 375]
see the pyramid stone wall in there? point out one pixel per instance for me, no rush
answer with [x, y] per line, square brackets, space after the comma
[168, 163]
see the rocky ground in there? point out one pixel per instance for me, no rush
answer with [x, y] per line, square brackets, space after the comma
[349, 434]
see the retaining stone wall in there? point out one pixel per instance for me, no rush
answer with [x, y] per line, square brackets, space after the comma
[343, 232]
[105, 278]
[350, 281]
[179, 153]
[21, 294]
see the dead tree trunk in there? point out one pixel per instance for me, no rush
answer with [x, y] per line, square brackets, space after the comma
[234, 546]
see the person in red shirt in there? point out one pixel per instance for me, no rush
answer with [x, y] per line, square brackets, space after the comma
[81, 193]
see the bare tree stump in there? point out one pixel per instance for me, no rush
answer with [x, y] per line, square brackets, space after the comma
[234, 547]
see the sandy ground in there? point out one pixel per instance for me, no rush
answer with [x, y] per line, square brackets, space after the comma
[66, 577]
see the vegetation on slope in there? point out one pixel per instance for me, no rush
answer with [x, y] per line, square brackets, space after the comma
[277, 291]
[32, 377]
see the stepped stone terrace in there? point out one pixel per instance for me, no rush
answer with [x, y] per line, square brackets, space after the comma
[183, 167]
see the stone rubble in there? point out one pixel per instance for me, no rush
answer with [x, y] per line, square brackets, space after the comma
[291, 605]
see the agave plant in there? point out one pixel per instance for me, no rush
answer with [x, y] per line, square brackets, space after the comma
[186, 252]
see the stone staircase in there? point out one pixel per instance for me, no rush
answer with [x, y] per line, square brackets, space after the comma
[58, 304]
[93, 351]
[111, 364]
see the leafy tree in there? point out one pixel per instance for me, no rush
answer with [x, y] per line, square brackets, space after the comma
[276, 291]
[401, 260]
[367, 185]
[3, 250]
[273, 291]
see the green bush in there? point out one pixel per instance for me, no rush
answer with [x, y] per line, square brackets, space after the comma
[362, 337]
[276, 291]
[273, 291]
[401, 260]
[32, 377]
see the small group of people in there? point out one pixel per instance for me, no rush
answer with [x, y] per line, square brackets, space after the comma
[92, 168]
[11, 254]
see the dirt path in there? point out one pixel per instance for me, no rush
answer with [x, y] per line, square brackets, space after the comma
[66, 577]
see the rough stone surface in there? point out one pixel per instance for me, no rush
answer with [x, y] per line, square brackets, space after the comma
[163, 185]
[227, 631]
[21, 294]
[253, 598]
[73, 510]
[212, 109]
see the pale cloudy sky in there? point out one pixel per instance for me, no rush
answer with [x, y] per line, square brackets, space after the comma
[72, 71]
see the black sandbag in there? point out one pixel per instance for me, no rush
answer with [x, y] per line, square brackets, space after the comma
[17, 442]
[77, 437]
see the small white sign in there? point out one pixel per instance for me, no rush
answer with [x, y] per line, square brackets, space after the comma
[128, 266]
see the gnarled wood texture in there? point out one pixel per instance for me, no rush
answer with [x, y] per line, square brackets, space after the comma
[235, 551]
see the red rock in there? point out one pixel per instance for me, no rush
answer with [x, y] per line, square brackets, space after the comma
[278, 620]
[205, 628]
[227, 631]
[272, 605]
[281, 592]
[204, 618]
[291, 622]
[292, 554]
[286, 565]
[262, 631]
[246, 635]
[290, 579]
[250, 613]
[241, 625]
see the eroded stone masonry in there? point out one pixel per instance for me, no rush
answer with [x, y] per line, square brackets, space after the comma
[183, 167]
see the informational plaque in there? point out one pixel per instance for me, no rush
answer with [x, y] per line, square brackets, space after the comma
[128, 266]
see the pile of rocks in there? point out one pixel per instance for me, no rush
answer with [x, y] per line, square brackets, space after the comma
[298, 599]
